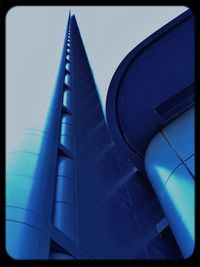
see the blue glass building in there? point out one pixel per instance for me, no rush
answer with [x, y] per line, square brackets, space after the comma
[80, 188]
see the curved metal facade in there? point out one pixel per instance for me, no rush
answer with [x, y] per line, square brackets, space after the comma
[30, 178]
[151, 95]
[152, 85]
[166, 162]
[71, 192]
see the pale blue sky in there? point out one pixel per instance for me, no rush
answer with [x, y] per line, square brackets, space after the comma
[34, 41]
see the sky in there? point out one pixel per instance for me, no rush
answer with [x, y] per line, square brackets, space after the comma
[34, 42]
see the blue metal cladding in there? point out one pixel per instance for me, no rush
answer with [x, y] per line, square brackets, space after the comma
[178, 199]
[65, 199]
[31, 172]
[113, 199]
[65, 190]
[67, 100]
[171, 178]
[65, 219]
[68, 56]
[66, 167]
[67, 118]
[92, 201]
[152, 85]
[30, 177]
[30, 169]
[180, 134]
[68, 66]
[68, 76]
[162, 164]
[190, 163]
[67, 136]
[167, 57]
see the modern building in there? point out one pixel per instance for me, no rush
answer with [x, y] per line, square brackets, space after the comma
[150, 112]
[79, 188]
